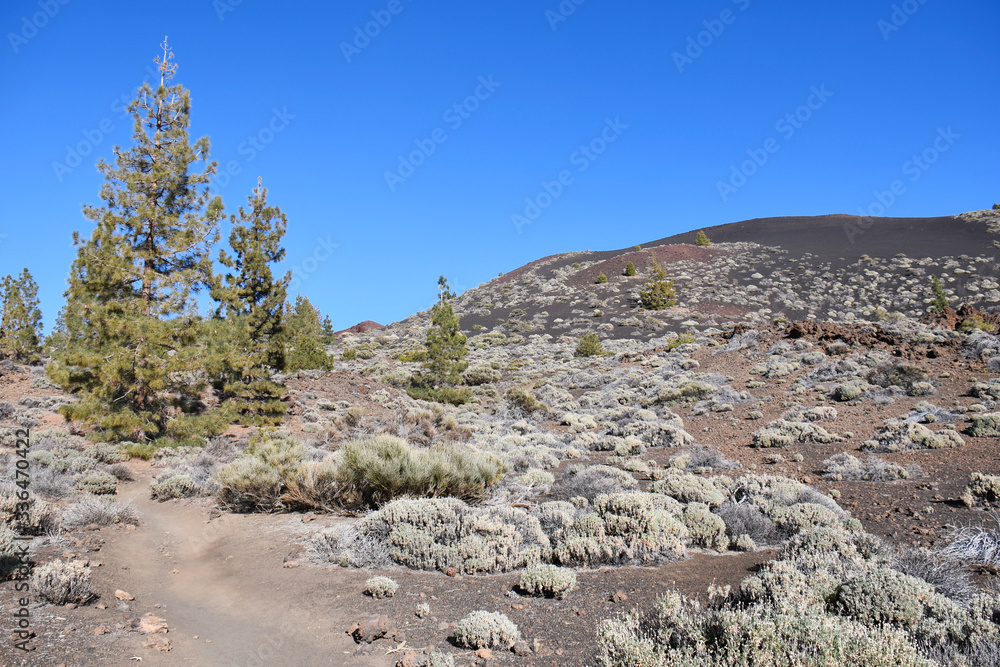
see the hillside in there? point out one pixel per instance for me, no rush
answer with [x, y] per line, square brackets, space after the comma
[795, 455]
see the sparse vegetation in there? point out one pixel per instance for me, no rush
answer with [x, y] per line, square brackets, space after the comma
[62, 582]
[630, 269]
[548, 581]
[381, 587]
[702, 239]
[601, 279]
[483, 629]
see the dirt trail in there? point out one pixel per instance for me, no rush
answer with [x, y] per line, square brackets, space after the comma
[224, 592]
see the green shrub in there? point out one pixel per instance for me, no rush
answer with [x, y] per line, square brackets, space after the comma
[639, 528]
[483, 629]
[350, 354]
[848, 391]
[702, 239]
[248, 484]
[589, 346]
[135, 450]
[704, 528]
[442, 533]
[548, 581]
[376, 470]
[415, 355]
[659, 293]
[524, 400]
[381, 587]
[98, 482]
[601, 279]
[985, 425]
[479, 375]
[630, 269]
[177, 486]
[689, 488]
[900, 435]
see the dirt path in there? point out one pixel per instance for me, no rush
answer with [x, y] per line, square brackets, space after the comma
[222, 587]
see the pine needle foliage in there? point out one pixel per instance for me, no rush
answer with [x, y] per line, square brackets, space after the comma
[630, 269]
[702, 239]
[131, 341]
[304, 333]
[659, 293]
[446, 354]
[940, 303]
[21, 319]
[246, 346]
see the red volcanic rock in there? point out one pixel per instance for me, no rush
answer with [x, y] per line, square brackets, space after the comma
[361, 327]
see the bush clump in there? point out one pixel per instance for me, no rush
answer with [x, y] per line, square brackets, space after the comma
[985, 425]
[626, 528]
[689, 488]
[524, 400]
[601, 279]
[985, 487]
[175, 486]
[593, 481]
[63, 582]
[589, 346]
[273, 475]
[702, 239]
[101, 511]
[98, 482]
[479, 375]
[484, 629]
[548, 581]
[381, 587]
[443, 533]
[630, 269]
[659, 293]
[899, 435]
[844, 467]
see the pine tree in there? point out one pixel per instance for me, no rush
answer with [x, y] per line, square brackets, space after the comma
[659, 293]
[630, 269]
[328, 336]
[304, 333]
[132, 345]
[940, 303]
[446, 354]
[702, 239]
[247, 344]
[21, 321]
[601, 279]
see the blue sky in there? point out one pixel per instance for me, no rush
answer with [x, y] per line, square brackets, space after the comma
[584, 124]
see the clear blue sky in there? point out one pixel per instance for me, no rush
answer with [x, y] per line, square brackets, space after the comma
[330, 121]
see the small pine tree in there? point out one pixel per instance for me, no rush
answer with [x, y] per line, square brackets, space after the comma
[327, 335]
[305, 338]
[940, 299]
[630, 269]
[589, 346]
[246, 345]
[702, 239]
[659, 293]
[601, 279]
[996, 207]
[446, 354]
[21, 321]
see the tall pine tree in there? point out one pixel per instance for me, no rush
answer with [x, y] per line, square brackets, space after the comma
[247, 345]
[21, 320]
[131, 346]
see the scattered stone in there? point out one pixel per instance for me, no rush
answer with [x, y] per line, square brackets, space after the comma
[374, 627]
[522, 649]
[122, 595]
[152, 624]
[101, 630]
[161, 644]
[484, 654]
[619, 596]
